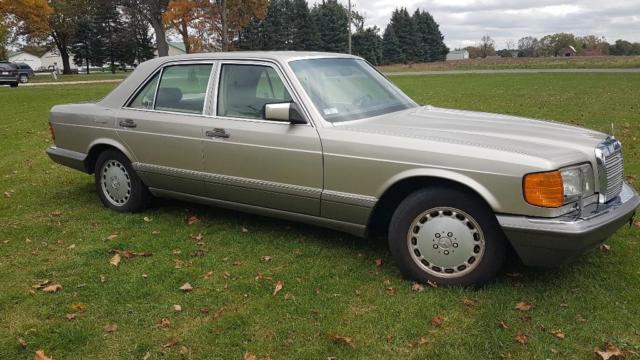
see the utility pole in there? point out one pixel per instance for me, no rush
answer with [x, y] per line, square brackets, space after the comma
[349, 24]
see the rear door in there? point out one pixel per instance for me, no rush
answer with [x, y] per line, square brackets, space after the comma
[251, 160]
[162, 126]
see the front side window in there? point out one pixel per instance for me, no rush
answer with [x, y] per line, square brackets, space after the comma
[183, 88]
[245, 89]
[348, 89]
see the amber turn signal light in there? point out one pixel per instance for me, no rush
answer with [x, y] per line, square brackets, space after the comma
[544, 189]
[53, 133]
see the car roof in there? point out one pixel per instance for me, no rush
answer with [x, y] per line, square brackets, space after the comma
[281, 56]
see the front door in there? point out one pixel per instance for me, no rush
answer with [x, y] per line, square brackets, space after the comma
[252, 161]
[162, 127]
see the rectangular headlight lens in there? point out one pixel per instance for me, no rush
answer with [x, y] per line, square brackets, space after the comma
[578, 182]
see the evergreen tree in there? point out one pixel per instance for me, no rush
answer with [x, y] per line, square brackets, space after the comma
[275, 27]
[405, 31]
[430, 44]
[330, 19]
[368, 44]
[86, 44]
[304, 35]
[391, 51]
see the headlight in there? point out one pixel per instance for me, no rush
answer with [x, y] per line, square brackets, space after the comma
[556, 188]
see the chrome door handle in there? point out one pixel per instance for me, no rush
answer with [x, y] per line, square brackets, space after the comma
[217, 132]
[127, 123]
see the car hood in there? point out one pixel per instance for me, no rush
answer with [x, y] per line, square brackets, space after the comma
[501, 132]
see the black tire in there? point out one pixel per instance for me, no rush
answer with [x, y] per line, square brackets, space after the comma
[138, 196]
[478, 215]
[15, 84]
[24, 78]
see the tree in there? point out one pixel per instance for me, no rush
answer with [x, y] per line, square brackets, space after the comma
[368, 44]
[430, 45]
[623, 47]
[304, 35]
[140, 43]
[330, 19]
[405, 31]
[528, 47]
[180, 16]
[552, 45]
[86, 43]
[152, 11]
[487, 46]
[391, 51]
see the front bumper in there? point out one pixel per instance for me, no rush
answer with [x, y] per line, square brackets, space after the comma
[550, 242]
[72, 159]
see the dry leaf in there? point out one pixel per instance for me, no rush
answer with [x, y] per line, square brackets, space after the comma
[7, 194]
[420, 342]
[522, 338]
[196, 237]
[41, 356]
[110, 328]
[432, 284]
[170, 343]
[611, 352]
[244, 230]
[130, 254]
[288, 296]
[279, 286]
[164, 323]
[155, 232]
[41, 284]
[192, 220]
[417, 287]
[265, 258]
[79, 306]
[184, 350]
[146, 356]
[147, 219]
[249, 356]
[344, 340]
[186, 287]
[523, 306]
[115, 260]
[378, 262]
[437, 321]
[22, 343]
[103, 278]
[52, 288]
[469, 302]
[391, 291]
[111, 237]
[208, 275]
[559, 334]
[56, 213]
[503, 325]
[177, 308]
[71, 316]
[605, 248]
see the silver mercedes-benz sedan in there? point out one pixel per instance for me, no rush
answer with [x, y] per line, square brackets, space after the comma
[327, 140]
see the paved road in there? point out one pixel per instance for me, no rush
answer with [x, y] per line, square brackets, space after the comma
[73, 82]
[512, 71]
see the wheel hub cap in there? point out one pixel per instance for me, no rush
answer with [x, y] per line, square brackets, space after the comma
[116, 183]
[445, 242]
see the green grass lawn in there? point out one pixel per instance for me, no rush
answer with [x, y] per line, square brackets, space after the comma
[52, 227]
[79, 77]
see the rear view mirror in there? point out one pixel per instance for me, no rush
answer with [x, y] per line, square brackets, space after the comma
[289, 112]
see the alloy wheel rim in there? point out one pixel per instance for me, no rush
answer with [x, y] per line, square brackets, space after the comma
[446, 242]
[115, 183]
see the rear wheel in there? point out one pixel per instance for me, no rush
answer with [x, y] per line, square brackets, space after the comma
[446, 236]
[118, 185]
[15, 84]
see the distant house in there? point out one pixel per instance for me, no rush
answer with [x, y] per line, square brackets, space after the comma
[457, 55]
[52, 58]
[175, 48]
[24, 57]
[568, 51]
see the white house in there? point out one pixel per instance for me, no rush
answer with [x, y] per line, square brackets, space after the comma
[52, 57]
[457, 55]
[175, 48]
[25, 57]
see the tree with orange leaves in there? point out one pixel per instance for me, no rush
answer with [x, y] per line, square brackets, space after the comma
[181, 16]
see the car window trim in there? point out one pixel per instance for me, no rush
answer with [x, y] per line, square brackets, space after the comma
[285, 82]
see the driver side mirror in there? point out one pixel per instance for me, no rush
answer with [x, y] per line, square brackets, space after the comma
[288, 112]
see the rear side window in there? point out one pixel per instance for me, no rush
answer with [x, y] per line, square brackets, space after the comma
[146, 96]
[245, 89]
[183, 88]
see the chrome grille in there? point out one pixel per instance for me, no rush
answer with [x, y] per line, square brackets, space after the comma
[610, 168]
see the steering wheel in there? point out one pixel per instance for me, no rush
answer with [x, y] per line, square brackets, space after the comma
[363, 100]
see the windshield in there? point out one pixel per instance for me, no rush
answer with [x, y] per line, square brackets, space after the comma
[348, 89]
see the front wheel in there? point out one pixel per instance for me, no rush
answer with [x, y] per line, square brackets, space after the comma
[446, 236]
[118, 185]
[24, 78]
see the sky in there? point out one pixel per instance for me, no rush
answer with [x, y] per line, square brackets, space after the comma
[464, 22]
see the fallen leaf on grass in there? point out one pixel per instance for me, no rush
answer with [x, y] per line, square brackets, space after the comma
[52, 288]
[288, 296]
[265, 258]
[523, 306]
[186, 287]
[146, 356]
[115, 260]
[130, 254]
[192, 220]
[110, 328]
[111, 237]
[417, 287]
[177, 308]
[170, 343]
[71, 316]
[605, 248]
[244, 230]
[420, 342]
[164, 323]
[437, 321]
[147, 219]
[79, 306]
[249, 356]
[56, 213]
[378, 262]
[610, 352]
[522, 338]
[503, 325]
[41, 356]
[391, 291]
[41, 284]
[208, 275]
[155, 232]
[346, 340]
[559, 334]
[103, 278]
[7, 194]
[278, 287]
[196, 237]
[22, 343]
[469, 302]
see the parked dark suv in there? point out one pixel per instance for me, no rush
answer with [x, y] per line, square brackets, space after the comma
[25, 72]
[8, 74]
